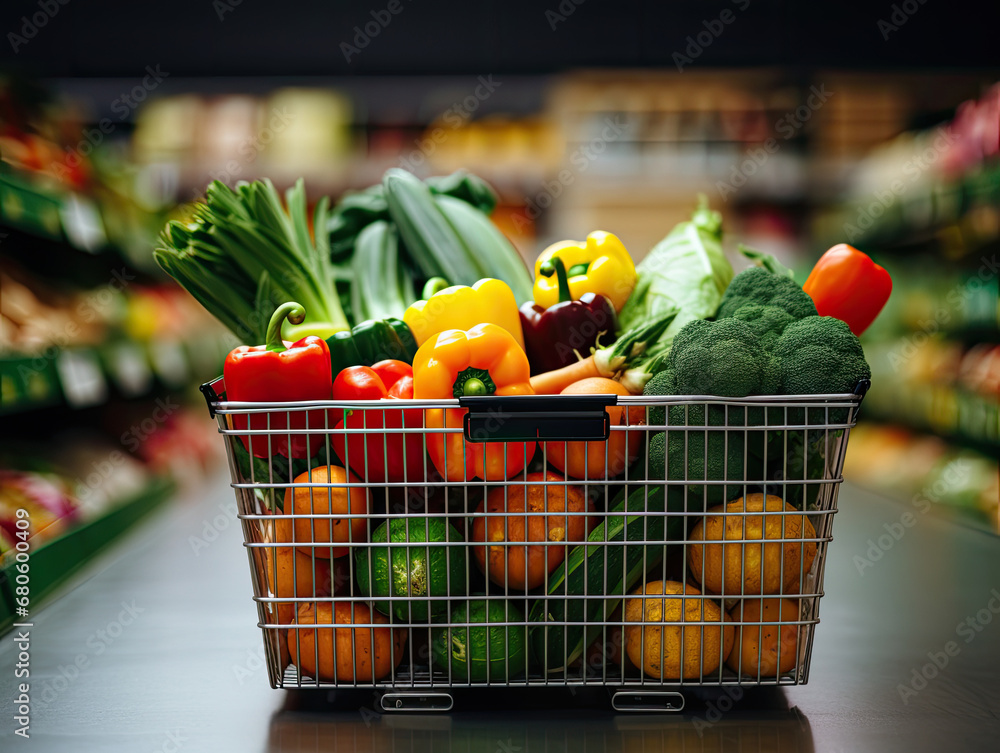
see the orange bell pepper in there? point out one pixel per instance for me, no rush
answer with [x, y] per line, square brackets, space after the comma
[485, 360]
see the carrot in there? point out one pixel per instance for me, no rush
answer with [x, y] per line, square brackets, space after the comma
[555, 381]
[626, 353]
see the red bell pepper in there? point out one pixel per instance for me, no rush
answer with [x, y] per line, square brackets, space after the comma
[848, 285]
[272, 373]
[380, 456]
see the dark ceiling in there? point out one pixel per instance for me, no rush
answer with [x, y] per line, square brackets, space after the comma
[261, 38]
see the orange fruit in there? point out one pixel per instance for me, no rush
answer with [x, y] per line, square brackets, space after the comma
[361, 654]
[674, 651]
[752, 568]
[767, 651]
[527, 566]
[314, 535]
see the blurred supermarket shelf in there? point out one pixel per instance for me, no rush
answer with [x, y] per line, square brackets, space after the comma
[57, 560]
[770, 146]
[83, 377]
[97, 350]
[926, 473]
[938, 185]
[91, 219]
[926, 205]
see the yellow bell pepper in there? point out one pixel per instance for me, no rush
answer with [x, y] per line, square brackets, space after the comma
[461, 307]
[485, 360]
[598, 265]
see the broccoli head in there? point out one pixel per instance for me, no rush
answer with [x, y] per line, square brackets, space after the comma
[803, 461]
[767, 322]
[819, 355]
[721, 358]
[757, 285]
[663, 383]
[696, 456]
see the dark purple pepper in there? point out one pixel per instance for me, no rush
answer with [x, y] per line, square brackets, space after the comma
[559, 335]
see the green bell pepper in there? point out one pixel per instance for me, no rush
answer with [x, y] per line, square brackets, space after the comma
[371, 341]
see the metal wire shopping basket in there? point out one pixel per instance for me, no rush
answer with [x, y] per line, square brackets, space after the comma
[642, 544]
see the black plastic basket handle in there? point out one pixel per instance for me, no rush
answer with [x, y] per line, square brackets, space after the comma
[213, 392]
[557, 418]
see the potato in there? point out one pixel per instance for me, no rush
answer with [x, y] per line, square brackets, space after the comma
[658, 649]
[743, 568]
[521, 567]
[777, 655]
[373, 651]
[322, 500]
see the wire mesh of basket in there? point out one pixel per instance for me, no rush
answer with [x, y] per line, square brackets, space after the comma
[537, 541]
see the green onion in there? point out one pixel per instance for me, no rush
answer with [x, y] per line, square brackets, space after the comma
[243, 254]
[633, 347]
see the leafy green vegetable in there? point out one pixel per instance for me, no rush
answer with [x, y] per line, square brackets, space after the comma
[802, 459]
[630, 350]
[723, 357]
[243, 253]
[820, 355]
[383, 286]
[687, 270]
[767, 322]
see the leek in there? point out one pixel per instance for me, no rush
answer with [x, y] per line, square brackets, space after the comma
[243, 253]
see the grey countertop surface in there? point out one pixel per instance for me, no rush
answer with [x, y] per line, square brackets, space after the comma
[157, 649]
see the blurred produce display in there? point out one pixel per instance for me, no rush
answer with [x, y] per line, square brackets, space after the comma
[69, 179]
[76, 346]
[622, 150]
[926, 472]
[98, 350]
[67, 494]
[44, 496]
[939, 186]
[189, 140]
[927, 205]
[940, 385]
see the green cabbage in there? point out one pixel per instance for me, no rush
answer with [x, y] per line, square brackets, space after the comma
[686, 271]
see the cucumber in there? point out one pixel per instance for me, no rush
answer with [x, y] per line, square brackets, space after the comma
[495, 255]
[481, 653]
[382, 288]
[606, 572]
[402, 561]
[435, 246]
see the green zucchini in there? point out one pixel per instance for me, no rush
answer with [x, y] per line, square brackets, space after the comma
[495, 255]
[435, 246]
[382, 288]
[602, 569]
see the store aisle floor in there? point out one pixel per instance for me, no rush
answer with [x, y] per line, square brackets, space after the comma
[164, 634]
[171, 659]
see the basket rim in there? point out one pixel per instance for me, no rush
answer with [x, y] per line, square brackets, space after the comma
[214, 392]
